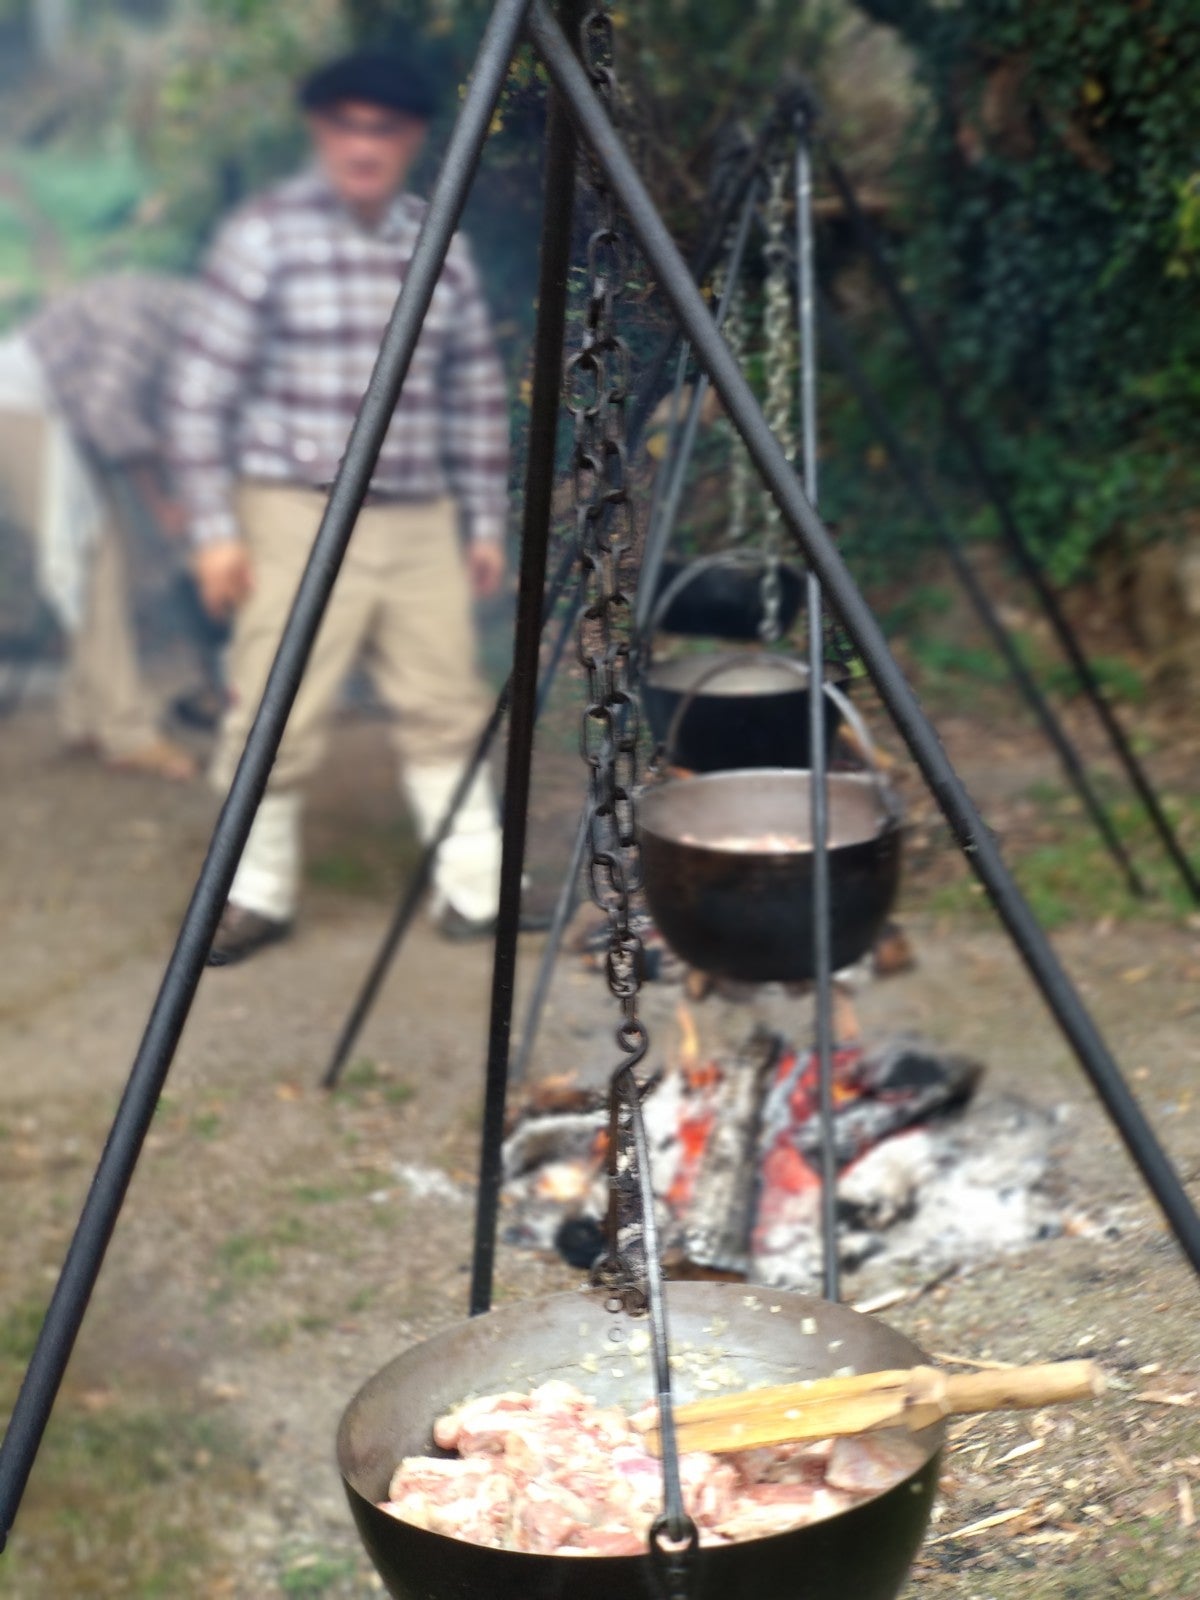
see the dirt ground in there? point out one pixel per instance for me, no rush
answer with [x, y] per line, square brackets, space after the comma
[278, 1244]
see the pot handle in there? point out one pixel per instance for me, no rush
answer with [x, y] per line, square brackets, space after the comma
[722, 665]
[887, 795]
[681, 580]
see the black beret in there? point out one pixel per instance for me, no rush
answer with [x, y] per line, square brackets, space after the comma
[379, 77]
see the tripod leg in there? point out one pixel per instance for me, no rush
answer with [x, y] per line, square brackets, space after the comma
[961, 429]
[98, 1218]
[544, 412]
[564, 910]
[910, 475]
[813, 539]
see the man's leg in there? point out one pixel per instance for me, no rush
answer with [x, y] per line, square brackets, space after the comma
[104, 701]
[279, 525]
[424, 657]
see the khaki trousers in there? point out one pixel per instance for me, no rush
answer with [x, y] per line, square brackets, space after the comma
[102, 700]
[402, 603]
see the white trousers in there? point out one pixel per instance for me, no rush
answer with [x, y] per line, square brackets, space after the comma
[466, 872]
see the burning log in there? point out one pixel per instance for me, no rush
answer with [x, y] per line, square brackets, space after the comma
[736, 1157]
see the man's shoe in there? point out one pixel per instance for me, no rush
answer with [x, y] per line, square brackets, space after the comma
[240, 933]
[452, 925]
[157, 758]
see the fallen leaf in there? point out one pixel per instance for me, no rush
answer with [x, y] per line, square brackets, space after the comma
[1187, 1507]
[1020, 1450]
[95, 1400]
[984, 1523]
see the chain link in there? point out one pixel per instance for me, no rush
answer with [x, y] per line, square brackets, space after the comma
[597, 390]
[740, 470]
[778, 360]
[596, 387]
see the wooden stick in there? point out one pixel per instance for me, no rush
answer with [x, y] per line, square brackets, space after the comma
[913, 1398]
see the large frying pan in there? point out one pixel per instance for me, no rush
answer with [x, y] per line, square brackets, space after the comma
[763, 1336]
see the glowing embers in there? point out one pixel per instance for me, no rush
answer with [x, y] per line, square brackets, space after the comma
[929, 1173]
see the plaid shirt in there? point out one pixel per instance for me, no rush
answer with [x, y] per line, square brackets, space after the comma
[103, 350]
[277, 358]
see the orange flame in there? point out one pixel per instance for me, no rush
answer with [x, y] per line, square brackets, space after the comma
[689, 1039]
[697, 1073]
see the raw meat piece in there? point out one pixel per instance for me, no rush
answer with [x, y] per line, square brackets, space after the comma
[554, 1473]
[872, 1463]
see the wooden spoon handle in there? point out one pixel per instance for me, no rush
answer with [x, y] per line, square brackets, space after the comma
[914, 1398]
[1021, 1388]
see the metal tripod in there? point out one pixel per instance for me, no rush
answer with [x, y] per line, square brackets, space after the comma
[85, 1255]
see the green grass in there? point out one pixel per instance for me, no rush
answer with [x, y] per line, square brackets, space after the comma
[318, 1194]
[1072, 878]
[365, 1076]
[314, 1574]
[111, 1506]
[371, 864]
[19, 1327]
[246, 1258]
[206, 1124]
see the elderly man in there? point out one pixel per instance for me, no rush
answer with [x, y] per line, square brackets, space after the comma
[80, 403]
[300, 285]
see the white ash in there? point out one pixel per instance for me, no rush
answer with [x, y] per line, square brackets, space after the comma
[426, 1183]
[954, 1191]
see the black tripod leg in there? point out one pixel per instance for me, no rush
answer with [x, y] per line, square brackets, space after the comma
[544, 413]
[410, 900]
[177, 991]
[908, 472]
[842, 594]
[662, 525]
[564, 910]
[818, 755]
[961, 429]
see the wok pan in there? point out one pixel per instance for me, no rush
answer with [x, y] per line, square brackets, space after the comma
[864, 1553]
[748, 710]
[720, 597]
[747, 914]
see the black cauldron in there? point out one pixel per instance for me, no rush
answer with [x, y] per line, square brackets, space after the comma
[746, 913]
[746, 709]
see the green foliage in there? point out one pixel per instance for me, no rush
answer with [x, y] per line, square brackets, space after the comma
[1071, 878]
[1054, 222]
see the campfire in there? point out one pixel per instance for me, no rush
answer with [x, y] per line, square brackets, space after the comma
[927, 1172]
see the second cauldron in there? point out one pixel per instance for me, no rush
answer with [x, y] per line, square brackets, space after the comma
[727, 864]
[736, 710]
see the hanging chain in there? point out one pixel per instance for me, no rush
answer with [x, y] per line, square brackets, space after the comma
[597, 390]
[740, 471]
[778, 360]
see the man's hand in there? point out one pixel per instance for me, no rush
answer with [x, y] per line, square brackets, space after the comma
[485, 567]
[225, 575]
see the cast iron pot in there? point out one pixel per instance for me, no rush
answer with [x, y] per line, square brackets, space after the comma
[720, 597]
[738, 710]
[748, 915]
[864, 1554]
